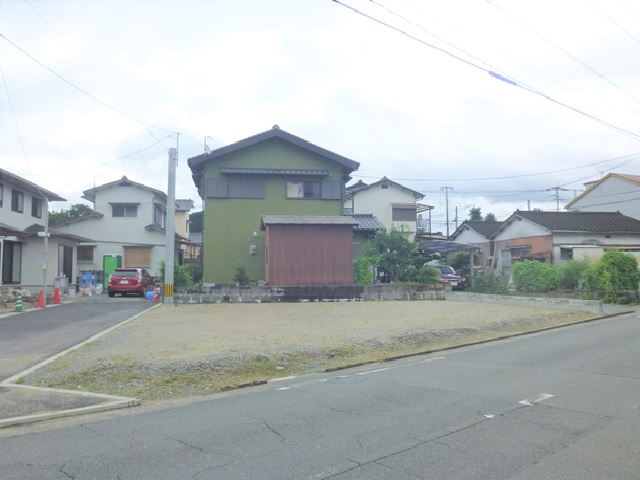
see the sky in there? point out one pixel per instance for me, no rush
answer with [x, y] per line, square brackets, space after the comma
[498, 105]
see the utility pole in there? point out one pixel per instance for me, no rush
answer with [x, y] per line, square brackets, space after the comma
[557, 189]
[170, 228]
[446, 196]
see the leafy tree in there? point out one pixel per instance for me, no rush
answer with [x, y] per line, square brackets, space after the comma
[614, 272]
[428, 275]
[362, 274]
[182, 274]
[396, 254]
[534, 276]
[241, 277]
[460, 261]
[571, 275]
[475, 214]
[76, 211]
[489, 217]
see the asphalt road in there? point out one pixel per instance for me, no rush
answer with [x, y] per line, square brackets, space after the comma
[563, 404]
[28, 338]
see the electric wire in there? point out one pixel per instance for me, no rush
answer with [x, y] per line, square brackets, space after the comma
[614, 22]
[568, 54]
[496, 75]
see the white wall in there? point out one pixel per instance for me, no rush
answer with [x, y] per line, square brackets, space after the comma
[378, 201]
[612, 195]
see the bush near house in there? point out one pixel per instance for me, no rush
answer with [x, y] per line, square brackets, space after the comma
[534, 276]
[571, 275]
[614, 272]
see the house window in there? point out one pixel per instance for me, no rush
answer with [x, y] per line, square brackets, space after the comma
[124, 210]
[403, 214]
[85, 253]
[65, 261]
[137, 256]
[159, 216]
[11, 262]
[520, 252]
[1, 193]
[17, 201]
[308, 189]
[36, 207]
[566, 253]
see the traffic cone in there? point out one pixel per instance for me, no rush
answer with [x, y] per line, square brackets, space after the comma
[56, 296]
[41, 300]
[19, 303]
[156, 297]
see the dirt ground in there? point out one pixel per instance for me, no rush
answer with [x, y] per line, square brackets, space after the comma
[191, 331]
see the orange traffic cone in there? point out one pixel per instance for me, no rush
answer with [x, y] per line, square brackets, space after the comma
[41, 300]
[56, 296]
[156, 297]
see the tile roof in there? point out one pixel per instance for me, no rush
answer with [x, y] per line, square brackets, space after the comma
[30, 186]
[367, 222]
[384, 180]
[484, 228]
[275, 171]
[123, 182]
[580, 221]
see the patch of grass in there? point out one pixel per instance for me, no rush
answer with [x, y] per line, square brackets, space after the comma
[20, 381]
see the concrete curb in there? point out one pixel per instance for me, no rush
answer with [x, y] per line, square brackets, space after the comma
[110, 402]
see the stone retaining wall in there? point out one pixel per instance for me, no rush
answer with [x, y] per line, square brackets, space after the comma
[334, 293]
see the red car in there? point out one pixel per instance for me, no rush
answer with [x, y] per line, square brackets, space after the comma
[449, 276]
[130, 280]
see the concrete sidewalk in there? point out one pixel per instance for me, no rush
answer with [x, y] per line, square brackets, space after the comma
[22, 404]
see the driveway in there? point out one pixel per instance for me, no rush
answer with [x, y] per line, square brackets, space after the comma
[28, 338]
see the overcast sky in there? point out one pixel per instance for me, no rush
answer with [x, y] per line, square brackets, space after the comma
[94, 90]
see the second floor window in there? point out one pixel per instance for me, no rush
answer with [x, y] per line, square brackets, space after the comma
[17, 201]
[159, 216]
[308, 189]
[124, 210]
[36, 207]
[1, 193]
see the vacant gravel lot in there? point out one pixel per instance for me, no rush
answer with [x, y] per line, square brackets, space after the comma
[185, 350]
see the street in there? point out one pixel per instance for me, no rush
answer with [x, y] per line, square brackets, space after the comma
[562, 404]
[28, 338]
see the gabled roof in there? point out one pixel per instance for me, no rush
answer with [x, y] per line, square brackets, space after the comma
[306, 220]
[30, 187]
[622, 176]
[196, 164]
[360, 186]
[484, 228]
[123, 182]
[445, 246]
[610, 222]
[367, 222]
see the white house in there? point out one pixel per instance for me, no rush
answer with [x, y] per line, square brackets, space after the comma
[391, 203]
[128, 227]
[28, 257]
[615, 192]
[477, 233]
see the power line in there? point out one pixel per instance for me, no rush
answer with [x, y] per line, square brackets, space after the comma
[93, 97]
[498, 76]
[585, 65]
[614, 22]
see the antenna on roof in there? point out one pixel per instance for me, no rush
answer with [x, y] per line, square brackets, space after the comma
[207, 150]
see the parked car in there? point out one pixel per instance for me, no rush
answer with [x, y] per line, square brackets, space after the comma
[130, 280]
[449, 276]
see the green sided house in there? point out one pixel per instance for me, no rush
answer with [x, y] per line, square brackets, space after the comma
[268, 190]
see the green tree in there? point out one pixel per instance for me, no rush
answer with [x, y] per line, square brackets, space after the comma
[182, 275]
[571, 275]
[460, 261]
[362, 274]
[489, 217]
[241, 277]
[428, 275]
[77, 210]
[396, 254]
[614, 272]
[475, 214]
[534, 276]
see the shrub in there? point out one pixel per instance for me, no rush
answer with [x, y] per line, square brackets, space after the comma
[534, 276]
[241, 277]
[181, 274]
[428, 275]
[571, 275]
[362, 274]
[614, 272]
[489, 282]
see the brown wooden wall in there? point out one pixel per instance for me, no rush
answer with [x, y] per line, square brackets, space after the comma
[309, 255]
